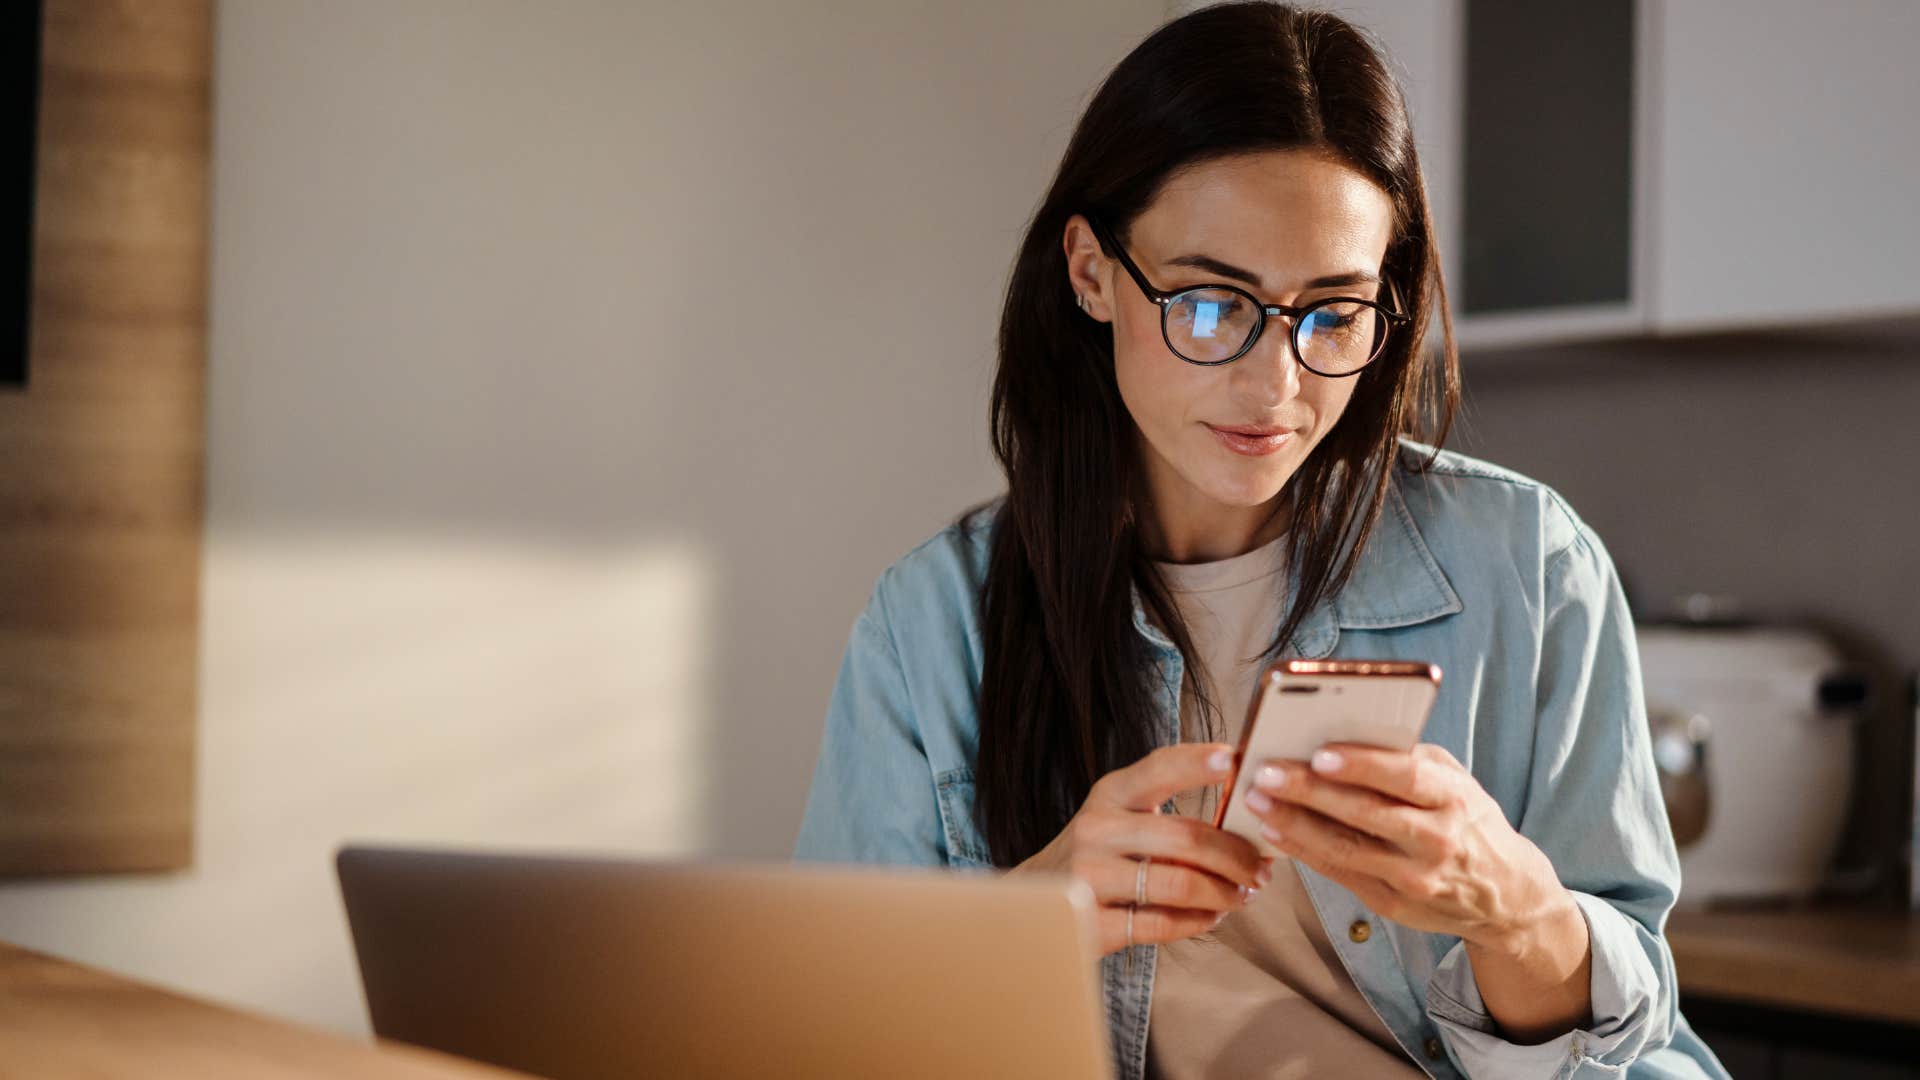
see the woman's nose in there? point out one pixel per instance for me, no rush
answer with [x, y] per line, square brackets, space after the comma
[1269, 369]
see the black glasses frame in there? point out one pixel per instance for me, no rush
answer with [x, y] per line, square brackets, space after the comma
[1163, 300]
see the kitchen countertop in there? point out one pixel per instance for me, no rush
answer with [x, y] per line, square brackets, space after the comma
[1853, 962]
[61, 1019]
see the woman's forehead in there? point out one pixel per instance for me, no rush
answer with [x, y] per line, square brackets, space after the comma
[1287, 213]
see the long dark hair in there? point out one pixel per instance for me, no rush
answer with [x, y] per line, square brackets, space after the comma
[1066, 690]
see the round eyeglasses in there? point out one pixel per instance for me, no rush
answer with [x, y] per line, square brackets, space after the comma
[1212, 325]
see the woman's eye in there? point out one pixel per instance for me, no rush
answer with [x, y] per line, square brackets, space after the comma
[1330, 320]
[1206, 315]
[1217, 305]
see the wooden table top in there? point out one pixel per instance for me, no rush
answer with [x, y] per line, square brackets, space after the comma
[61, 1019]
[1859, 963]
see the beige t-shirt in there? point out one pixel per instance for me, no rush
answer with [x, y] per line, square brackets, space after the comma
[1264, 994]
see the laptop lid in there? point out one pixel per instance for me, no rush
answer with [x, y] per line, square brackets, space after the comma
[580, 967]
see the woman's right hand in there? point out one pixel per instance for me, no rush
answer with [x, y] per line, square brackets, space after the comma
[1198, 874]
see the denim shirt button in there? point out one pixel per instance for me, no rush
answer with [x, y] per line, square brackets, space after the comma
[1359, 932]
[1435, 1051]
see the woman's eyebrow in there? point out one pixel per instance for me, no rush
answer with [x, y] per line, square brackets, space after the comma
[1228, 270]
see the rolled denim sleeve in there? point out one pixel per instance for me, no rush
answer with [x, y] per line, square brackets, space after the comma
[1593, 806]
[873, 798]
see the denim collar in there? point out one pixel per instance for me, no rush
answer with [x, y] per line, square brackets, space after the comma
[1396, 582]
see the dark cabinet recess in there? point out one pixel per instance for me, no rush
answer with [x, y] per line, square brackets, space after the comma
[19, 111]
[1548, 161]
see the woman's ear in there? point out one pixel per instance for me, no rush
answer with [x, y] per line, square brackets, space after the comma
[1088, 270]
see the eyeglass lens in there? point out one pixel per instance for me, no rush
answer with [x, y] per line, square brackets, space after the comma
[1333, 337]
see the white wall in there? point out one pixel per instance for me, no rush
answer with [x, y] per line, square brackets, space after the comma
[575, 368]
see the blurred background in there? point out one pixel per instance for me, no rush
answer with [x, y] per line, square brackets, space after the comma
[531, 393]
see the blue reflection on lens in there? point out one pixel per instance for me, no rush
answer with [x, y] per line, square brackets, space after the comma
[1206, 315]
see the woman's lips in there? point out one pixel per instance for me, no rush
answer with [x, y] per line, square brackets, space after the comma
[1251, 445]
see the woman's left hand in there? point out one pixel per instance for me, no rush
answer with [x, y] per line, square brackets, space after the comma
[1414, 836]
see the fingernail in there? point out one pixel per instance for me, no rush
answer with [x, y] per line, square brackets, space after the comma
[1220, 761]
[1326, 761]
[1220, 918]
[1272, 834]
[1259, 801]
[1245, 893]
[1264, 875]
[1271, 777]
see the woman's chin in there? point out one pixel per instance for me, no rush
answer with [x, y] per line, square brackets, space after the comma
[1247, 492]
[1238, 481]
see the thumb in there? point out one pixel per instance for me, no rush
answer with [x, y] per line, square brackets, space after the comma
[1165, 772]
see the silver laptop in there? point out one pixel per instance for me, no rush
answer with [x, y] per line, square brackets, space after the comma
[581, 967]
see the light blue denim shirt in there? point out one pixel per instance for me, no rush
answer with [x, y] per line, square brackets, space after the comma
[1472, 567]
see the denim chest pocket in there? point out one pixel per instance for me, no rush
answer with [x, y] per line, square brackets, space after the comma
[965, 846]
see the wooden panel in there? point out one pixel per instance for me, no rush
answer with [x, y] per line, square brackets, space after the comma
[1858, 963]
[101, 456]
[53, 1015]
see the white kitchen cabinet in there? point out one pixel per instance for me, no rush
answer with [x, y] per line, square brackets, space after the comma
[1642, 167]
[1787, 161]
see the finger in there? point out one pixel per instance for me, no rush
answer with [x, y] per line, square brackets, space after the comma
[1332, 848]
[1195, 843]
[1115, 879]
[1401, 824]
[1376, 895]
[1162, 774]
[1152, 925]
[1422, 777]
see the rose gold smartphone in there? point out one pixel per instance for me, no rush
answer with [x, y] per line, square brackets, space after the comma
[1301, 705]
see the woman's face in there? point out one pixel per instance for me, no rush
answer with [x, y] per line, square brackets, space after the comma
[1287, 226]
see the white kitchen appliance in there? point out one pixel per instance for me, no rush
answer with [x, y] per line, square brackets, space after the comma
[1753, 730]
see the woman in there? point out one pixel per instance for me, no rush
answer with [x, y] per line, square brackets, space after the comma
[1210, 383]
